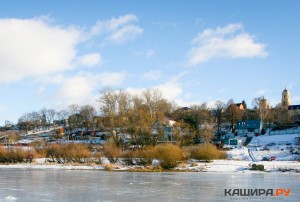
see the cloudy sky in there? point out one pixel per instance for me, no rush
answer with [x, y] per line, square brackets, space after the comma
[57, 53]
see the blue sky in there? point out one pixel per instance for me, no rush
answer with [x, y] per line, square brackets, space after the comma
[57, 53]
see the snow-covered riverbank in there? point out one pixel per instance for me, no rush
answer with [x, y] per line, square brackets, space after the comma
[220, 166]
[239, 159]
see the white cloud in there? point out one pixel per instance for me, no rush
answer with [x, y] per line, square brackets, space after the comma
[111, 78]
[224, 42]
[118, 30]
[90, 60]
[152, 75]
[170, 90]
[125, 33]
[184, 103]
[36, 47]
[33, 47]
[135, 91]
[75, 90]
[80, 89]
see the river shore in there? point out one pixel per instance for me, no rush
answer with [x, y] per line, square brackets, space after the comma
[219, 166]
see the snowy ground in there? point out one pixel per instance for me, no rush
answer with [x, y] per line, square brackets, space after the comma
[220, 166]
[242, 166]
[277, 139]
[278, 146]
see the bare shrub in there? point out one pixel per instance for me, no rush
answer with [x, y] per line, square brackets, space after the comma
[53, 151]
[69, 153]
[168, 155]
[77, 153]
[111, 152]
[129, 157]
[145, 155]
[12, 155]
[39, 147]
[97, 157]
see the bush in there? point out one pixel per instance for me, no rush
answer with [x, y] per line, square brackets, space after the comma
[257, 167]
[74, 153]
[97, 156]
[54, 151]
[111, 152]
[145, 155]
[206, 152]
[77, 153]
[168, 155]
[39, 147]
[15, 155]
[129, 157]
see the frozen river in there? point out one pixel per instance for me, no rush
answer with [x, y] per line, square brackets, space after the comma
[83, 185]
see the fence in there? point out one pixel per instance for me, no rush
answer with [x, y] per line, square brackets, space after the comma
[287, 131]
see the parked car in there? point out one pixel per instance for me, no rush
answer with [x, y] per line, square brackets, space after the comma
[265, 158]
[295, 151]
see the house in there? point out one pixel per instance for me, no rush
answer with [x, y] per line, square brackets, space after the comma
[294, 110]
[240, 106]
[248, 128]
[169, 121]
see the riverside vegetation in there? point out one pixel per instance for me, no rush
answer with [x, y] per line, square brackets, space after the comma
[168, 155]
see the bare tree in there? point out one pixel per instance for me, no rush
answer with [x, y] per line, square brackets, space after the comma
[62, 115]
[73, 109]
[47, 116]
[262, 108]
[109, 108]
[218, 113]
[87, 112]
[24, 122]
[201, 114]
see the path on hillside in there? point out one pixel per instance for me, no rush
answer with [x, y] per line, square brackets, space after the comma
[251, 155]
[248, 140]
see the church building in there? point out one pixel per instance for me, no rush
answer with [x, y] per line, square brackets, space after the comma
[294, 110]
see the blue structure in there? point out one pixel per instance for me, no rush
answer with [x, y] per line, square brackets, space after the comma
[248, 128]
